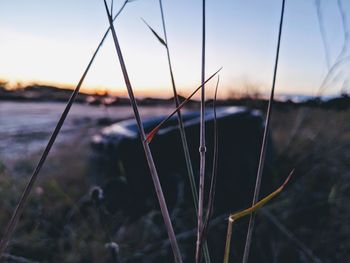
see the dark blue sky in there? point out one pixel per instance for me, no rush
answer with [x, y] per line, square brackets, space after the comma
[52, 41]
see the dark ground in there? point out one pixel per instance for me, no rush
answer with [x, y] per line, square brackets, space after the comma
[308, 222]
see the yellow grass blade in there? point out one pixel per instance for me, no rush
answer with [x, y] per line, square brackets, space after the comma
[234, 217]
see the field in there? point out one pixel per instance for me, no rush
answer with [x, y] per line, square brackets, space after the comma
[307, 223]
[250, 176]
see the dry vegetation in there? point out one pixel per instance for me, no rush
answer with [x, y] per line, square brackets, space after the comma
[66, 221]
[306, 224]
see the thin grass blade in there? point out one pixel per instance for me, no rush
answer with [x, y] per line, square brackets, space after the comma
[202, 147]
[148, 154]
[161, 40]
[154, 131]
[214, 170]
[263, 201]
[264, 141]
[28, 188]
[234, 217]
[179, 117]
[112, 7]
[182, 131]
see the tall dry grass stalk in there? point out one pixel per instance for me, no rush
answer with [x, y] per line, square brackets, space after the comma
[154, 131]
[28, 188]
[152, 167]
[164, 42]
[112, 7]
[182, 130]
[264, 142]
[214, 169]
[179, 116]
[202, 147]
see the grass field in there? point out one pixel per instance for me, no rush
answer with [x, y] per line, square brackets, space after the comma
[308, 222]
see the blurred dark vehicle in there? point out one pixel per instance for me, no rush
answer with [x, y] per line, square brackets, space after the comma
[119, 165]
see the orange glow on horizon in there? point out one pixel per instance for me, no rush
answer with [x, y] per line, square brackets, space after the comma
[241, 89]
[164, 92]
[160, 92]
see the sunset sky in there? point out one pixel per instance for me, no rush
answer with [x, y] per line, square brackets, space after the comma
[48, 41]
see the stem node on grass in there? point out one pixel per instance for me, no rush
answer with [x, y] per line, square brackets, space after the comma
[154, 131]
[180, 121]
[214, 171]
[202, 148]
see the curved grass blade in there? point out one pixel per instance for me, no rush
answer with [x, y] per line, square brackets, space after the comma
[234, 217]
[152, 133]
[264, 141]
[28, 188]
[147, 150]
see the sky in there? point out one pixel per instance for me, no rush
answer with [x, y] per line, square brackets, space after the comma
[47, 41]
